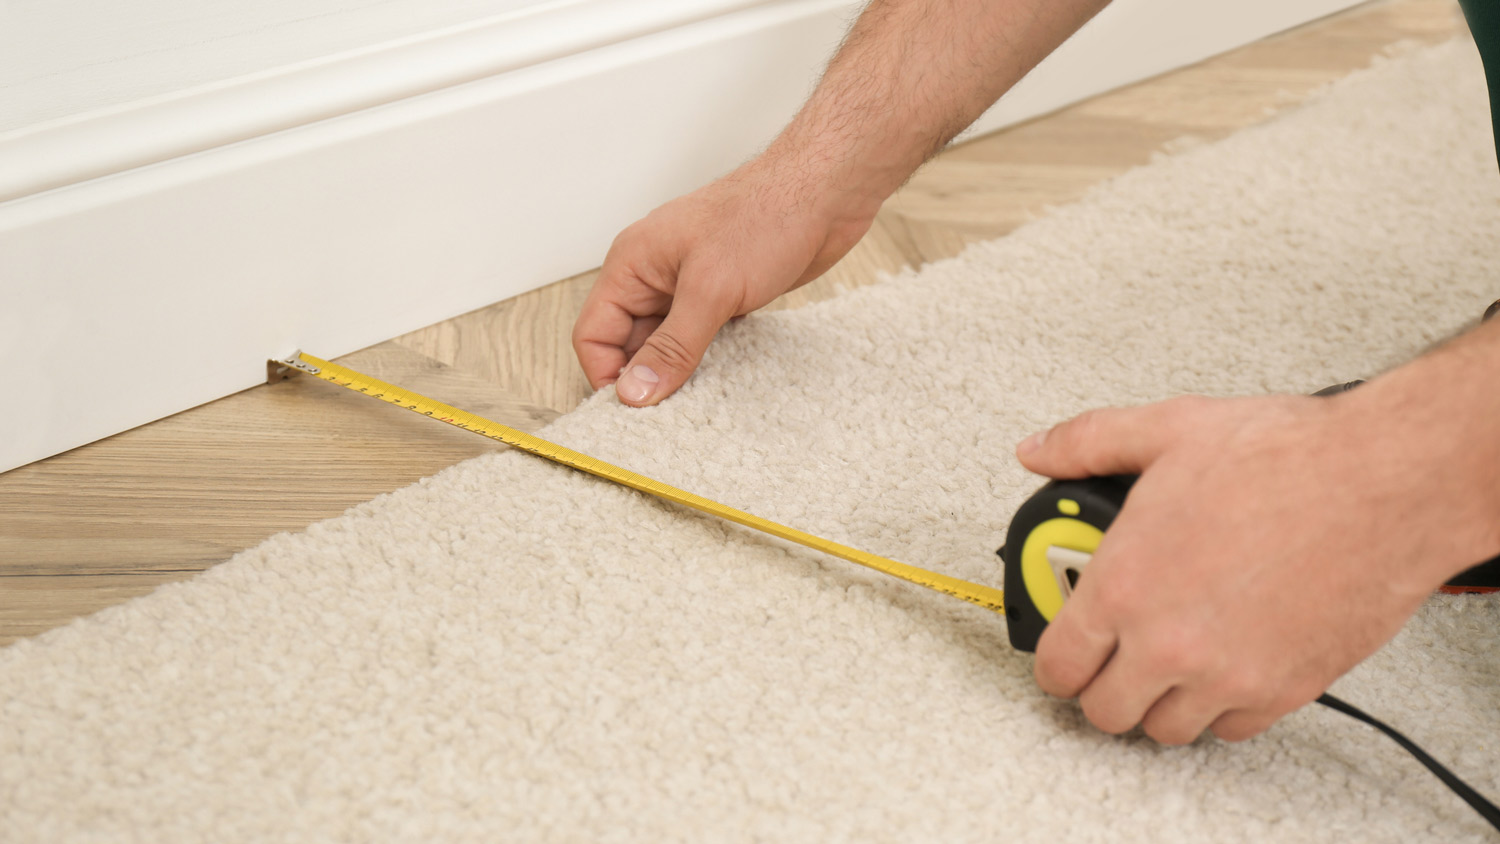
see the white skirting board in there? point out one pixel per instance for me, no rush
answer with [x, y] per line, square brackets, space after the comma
[151, 258]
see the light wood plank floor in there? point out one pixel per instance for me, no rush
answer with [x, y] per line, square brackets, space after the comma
[110, 521]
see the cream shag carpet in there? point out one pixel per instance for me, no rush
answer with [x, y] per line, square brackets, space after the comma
[511, 651]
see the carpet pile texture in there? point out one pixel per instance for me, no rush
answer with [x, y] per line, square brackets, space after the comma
[512, 651]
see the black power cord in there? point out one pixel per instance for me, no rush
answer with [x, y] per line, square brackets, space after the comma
[1479, 802]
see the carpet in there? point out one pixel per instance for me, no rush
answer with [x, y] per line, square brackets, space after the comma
[512, 651]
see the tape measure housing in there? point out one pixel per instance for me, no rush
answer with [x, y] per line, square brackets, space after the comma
[1071, 515]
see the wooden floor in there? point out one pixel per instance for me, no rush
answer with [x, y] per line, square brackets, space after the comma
[110, 521]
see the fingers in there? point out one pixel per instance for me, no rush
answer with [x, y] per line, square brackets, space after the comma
[671, 352]
[672, 279]
[1128, 672]
[598, 341]
[648, 320]
[1110, 441]
[1080, 655]
[621, 333]
[1242, 724]
[1180, 716]
[1073, 649]
[1258, 713]
[643, 328]
[1121, 694]
[1137, 687]
[611, 323]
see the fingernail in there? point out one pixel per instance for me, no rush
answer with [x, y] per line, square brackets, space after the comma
[1032, 443]
[637, 384]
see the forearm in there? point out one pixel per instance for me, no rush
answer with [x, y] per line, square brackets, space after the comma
[910, 75]
[1435, 423]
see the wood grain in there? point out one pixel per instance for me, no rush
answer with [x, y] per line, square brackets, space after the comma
[110, 521]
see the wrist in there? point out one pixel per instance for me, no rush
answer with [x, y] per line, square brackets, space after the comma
[1429, 427]
[836, 178]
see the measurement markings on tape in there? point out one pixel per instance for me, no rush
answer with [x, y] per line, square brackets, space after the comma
[985, 596]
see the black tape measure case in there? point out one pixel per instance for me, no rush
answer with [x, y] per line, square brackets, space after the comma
[1049, 544]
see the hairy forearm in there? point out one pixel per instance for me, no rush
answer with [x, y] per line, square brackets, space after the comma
[910, 75]
[1436, 422]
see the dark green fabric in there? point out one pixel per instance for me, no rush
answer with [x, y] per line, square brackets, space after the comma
[1484, 22]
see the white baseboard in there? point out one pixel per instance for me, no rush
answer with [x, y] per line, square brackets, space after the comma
[104, 141]
[152, 257]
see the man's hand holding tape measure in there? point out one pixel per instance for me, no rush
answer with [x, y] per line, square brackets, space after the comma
[1270, 544]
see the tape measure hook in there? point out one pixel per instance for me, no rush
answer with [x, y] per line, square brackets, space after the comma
[280, 370]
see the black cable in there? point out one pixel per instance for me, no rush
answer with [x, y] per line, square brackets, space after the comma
[1479, 802]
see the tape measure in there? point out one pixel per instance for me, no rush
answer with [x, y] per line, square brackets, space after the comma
[985, 596]
[1046, 551]
[1049, 544]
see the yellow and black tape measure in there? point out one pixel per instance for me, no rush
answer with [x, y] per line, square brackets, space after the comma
[985, 596]
[1049, 544]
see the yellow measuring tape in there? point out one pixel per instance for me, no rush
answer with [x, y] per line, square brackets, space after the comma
[984, 596]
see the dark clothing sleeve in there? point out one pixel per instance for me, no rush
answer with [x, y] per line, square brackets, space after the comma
[1484, 23]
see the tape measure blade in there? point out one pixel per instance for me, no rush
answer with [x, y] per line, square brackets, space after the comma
[985, 596]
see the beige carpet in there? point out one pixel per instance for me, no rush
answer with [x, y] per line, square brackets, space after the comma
[510, 651]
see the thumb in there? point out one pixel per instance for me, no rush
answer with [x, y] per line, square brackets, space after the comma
[673, 350]
[1109, 441]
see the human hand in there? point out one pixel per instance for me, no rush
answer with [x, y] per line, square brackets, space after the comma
[1269, 545]
[671, 280]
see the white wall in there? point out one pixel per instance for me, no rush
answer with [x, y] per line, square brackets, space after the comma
[153, 254]
[63, 58]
